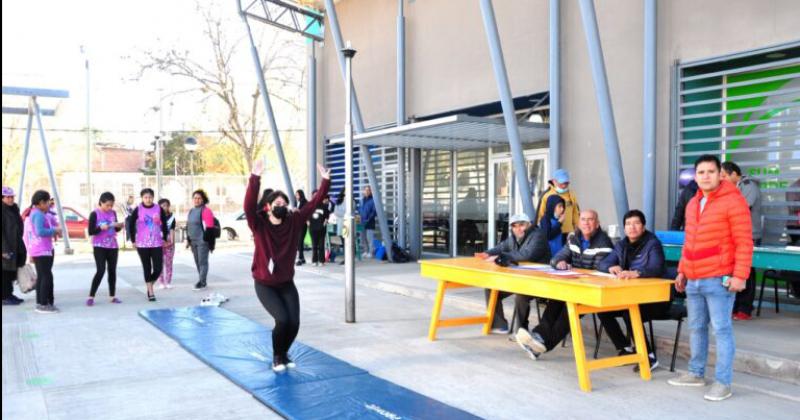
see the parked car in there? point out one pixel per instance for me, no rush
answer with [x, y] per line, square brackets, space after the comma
[77, 224]
[235, 226]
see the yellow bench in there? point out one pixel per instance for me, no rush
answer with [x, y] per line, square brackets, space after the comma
[583, 294]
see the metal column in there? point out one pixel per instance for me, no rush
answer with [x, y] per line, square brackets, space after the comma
[25, 154]
[262, 85]
[415, 212]
[555, 85]
[35, 105]
[604, 107]
[349, 233]
[649, 111]
[312, 116]
[401, 119]
[366, 156]
[496, 51]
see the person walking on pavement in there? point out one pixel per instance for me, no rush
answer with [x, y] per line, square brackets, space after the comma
[165, 279]
[38, 233]
[317, 227]
[273, 258]
[103, 228]
[14, 252]
[200, 226]
[148, 232]
[715, 261]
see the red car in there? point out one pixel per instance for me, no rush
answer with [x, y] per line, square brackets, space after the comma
[77, 224]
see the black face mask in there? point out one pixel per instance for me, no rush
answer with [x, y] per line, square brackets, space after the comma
[279, 212]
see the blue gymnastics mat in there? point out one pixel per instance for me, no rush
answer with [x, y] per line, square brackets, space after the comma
[320, 387]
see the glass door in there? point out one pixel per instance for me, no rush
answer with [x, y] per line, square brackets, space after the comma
[505, 200]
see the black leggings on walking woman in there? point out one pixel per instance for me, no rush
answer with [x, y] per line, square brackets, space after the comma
[283, 303]
[103, 256]
[152, 262]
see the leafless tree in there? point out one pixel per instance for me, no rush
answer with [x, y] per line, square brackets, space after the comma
[244, 120]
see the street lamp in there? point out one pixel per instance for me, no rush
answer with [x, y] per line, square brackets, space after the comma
[88, 134]
[190, 144]
[159, 138]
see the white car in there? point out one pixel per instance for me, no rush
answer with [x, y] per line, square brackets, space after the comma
[235, 227]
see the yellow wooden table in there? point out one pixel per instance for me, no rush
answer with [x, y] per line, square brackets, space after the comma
[583, 294]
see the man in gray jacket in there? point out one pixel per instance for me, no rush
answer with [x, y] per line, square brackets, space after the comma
[751, 190]
[526, 243]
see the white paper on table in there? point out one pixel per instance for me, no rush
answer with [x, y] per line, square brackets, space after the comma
[602, 274]
[533, 267]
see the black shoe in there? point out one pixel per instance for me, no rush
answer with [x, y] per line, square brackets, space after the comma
[151, 298]
[625, 352]
[299, 263]
[200, 285]
[18, 300]
[653, 363]
[10, 302]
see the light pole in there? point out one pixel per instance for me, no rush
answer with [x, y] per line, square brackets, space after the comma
[349, 236]
[88, 135]
[159, 164]
[191, 146]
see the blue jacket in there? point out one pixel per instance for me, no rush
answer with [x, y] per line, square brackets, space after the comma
[368, 213]
[648, 261]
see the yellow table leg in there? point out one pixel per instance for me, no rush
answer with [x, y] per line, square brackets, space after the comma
[487, 327]
[641, 343]
[437, 310]
[577, 344]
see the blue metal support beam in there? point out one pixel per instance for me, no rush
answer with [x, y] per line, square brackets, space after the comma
[38, 92]
[555, 85]
[262, 85]
[649, 111]
[311, 126]
[366, 156]
[506, 100]
[604, 107]
[401, 119]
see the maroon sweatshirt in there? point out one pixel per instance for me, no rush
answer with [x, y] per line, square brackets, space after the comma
[277, 243]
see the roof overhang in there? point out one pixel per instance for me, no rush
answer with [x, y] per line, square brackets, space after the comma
[454, 132]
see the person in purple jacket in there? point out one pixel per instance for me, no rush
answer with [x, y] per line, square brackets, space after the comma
[273, 259]
[103, 228]
[148, 231]
[38, 233]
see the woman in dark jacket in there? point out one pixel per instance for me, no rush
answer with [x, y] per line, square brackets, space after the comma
[300, 196]
[638, 255]
[551, 221]
[14, 252]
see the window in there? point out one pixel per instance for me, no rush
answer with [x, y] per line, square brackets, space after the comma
[746, 109]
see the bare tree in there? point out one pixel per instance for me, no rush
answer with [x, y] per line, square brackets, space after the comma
[243, 123]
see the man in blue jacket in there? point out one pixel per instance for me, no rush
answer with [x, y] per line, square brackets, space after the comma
[368, 214]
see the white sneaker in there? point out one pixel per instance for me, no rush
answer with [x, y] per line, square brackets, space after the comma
[169, 286]
[161, 286]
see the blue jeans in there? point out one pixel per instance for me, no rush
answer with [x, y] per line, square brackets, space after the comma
[709, 301]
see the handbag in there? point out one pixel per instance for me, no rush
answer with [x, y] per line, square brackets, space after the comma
[26, 278]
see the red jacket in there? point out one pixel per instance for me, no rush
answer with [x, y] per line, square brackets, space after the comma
[719, 239]
[277, 242]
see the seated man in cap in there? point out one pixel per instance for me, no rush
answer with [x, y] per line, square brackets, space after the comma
[526, 243]
[586, 247]
[559, 185]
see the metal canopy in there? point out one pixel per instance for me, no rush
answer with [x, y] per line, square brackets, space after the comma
[454, 132]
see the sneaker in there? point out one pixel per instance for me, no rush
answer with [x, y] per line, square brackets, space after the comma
[626, 352]
[718, 392]
[278, 365]
[529, 344]
[299, 263]
[16, 299]
[742, 316]
[653, 363]
[168, 286]
[200, 285]
[500, 330]
[289, 362]
[161, 286]
[115, 300]
[10, 302]
[46, 309]
[687, 379]
[90, 302]
[366, 255]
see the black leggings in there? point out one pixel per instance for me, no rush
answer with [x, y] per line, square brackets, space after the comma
[283, 303]
[8, 283]
[103, 257]
[301, 244]
[318, 246]
[152, 262]
[44, 280]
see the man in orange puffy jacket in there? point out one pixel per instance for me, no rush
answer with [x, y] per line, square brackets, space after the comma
[716, 259]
